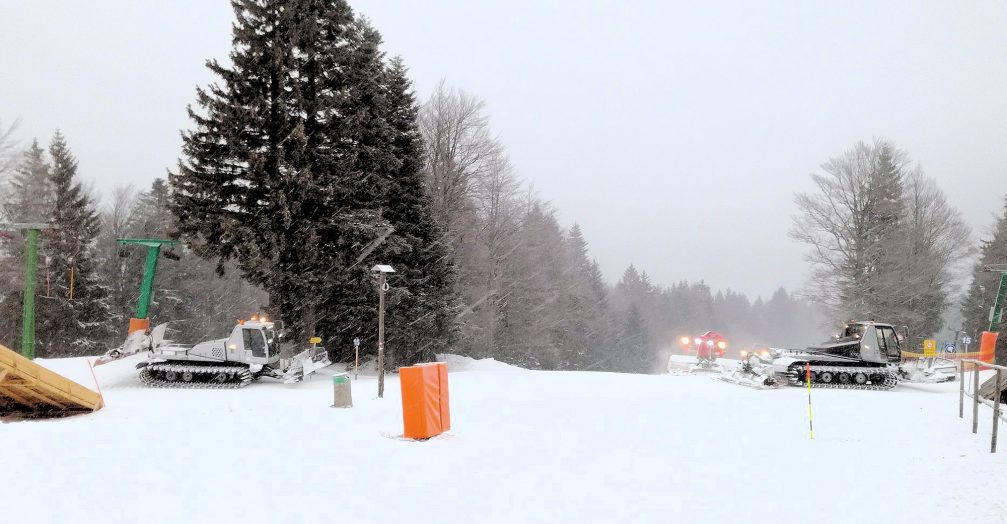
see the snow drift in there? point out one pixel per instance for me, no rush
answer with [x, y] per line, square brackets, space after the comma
[525, 446]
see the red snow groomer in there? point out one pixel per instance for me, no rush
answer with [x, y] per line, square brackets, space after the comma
[707, 347]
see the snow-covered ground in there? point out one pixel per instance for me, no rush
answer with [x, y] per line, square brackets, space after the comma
[526, 446]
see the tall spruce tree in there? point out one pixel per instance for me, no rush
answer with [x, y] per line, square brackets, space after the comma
[362, 137]
[75, 319]
[583, 334]
[635, 297]
[237, 192]
[886, 216]
[529, 312]
[635, 351]
[423, 306]
[293, 168]
[258, 174]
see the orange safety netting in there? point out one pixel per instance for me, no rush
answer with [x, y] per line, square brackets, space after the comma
[986, 353]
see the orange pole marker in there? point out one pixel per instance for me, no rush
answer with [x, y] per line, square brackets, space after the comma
[811, 418]
[987, 347]
[138, 324]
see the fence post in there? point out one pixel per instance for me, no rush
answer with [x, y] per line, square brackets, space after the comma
[961, 392]
[996, 414]
[975, 398]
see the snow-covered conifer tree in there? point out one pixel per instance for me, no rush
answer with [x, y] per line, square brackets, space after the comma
[75, 319]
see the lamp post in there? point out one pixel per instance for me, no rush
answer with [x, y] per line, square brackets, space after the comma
[356, 357]
[382, 271]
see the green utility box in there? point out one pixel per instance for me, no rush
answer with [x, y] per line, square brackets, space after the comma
[342, 397]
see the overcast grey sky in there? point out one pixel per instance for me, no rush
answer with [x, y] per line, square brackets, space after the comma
[674, 133]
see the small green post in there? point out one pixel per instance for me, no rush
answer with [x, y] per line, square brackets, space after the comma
[28, 323]
[998, 305]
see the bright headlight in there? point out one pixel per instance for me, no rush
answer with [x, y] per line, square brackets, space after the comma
[709, 343]
[697, 340]
[684, 341]
[722, 344]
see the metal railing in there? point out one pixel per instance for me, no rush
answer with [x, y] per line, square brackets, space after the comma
[976, 398]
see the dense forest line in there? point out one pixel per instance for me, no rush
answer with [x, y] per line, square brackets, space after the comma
[530, 292]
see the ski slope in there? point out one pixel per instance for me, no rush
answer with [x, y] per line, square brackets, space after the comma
[526, 446]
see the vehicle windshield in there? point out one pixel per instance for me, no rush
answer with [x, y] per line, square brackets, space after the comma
[254, 342]
[853, 331]
[272, 341]
[850, 333]
[888, 342]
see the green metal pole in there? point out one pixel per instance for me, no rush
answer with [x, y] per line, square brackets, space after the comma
[28, 324]
[143, 308]
[147, 288]
[998, 304]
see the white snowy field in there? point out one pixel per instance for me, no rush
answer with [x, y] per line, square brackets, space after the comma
[525, 446]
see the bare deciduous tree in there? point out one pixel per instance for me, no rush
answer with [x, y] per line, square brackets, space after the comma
[115, 219]
[475, 199]
[460, 152]
[484, 260]
[884, 242]
[835, 222]
[935, 248]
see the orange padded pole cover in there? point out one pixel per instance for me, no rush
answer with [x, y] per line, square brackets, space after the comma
[420, 401]
[138, 324]
[442, 376]
[987, 347]
[425, 411]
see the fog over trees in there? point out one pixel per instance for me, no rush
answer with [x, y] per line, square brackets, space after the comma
[9, 155]
[534, 295]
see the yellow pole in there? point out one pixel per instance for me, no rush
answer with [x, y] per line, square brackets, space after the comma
[811, 427]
